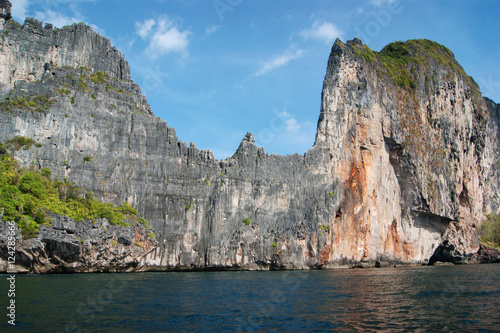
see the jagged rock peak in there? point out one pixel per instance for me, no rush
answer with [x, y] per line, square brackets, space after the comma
[249, 138]
[248, 141]
[337, 47]
[27, 49]
[340, 46]
[357, 41]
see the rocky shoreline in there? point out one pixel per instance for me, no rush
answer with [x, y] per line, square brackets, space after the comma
[98, 247]
[79, 247]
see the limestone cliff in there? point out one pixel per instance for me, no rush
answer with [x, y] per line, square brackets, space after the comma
[415, 146]
[404, 165]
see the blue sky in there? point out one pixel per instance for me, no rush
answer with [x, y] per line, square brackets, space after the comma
[216, 69]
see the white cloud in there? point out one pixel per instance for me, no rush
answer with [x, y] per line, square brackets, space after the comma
[323, 31]
[163, 36]
[57, 19]
[382, 2]
[57, 12]
[71, 1]
[171, 40]
[211, 29]
[286, 130]
[291, 125]
[297, 133]
[144, 29]
[100, 31]
[279, 61]
[64, 2]
[130, 43]
[19, 8]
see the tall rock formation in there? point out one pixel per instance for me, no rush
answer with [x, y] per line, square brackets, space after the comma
[404, 165]
[415, 146]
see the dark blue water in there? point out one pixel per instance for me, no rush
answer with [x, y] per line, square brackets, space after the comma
[458, 298]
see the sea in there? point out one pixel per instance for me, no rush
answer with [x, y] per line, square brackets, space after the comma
[463, 298]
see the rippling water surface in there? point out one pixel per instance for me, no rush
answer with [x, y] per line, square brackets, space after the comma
[458, 298]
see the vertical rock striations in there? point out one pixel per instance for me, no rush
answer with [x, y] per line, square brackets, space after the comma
[403, 168]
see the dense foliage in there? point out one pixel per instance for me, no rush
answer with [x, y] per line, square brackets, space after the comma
[395, 59]
[27, 103]
[402, 60]
[28, 195]
[490, 231]
[18, 142]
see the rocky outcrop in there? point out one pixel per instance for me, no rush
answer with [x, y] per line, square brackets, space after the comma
[487, 255]
[404, 163]
[77, 247]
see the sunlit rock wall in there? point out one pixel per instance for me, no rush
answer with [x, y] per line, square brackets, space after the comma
[394, 175]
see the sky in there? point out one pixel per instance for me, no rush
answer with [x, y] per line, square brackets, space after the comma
[217, 69]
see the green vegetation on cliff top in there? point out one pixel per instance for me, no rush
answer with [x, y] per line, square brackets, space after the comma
[28, 196]
[402, 60]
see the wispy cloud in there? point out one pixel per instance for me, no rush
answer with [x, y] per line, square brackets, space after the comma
[211, 29]
[279, 61]
[382, 2]
[163, 36]
[286, 130]
[322, 31]
[19, 9]
[99, 30]
[57, 12]
[56, 18]
[144, 29]
[65, 2]
[292, 126]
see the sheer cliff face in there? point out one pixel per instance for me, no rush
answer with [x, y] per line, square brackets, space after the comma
[416, 157]
[394, 174]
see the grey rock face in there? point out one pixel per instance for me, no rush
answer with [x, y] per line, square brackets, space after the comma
[390, 179]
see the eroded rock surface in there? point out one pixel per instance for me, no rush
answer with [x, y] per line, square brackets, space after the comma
[77, 247]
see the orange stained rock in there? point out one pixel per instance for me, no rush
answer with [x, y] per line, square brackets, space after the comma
[325, 255]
